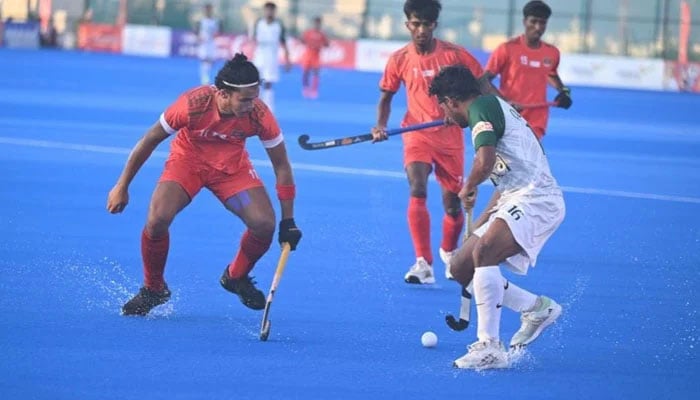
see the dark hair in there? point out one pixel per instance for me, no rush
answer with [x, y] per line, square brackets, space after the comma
[537, 8]
[270, 4]
[456, 82]
[237, 71]
[423, 9]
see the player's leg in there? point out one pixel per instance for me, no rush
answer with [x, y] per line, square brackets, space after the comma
[206, 57]
[532, 224]
[306, 72]
[493, 247]
[418, 168]
[269, 73]
[449, 167]
[245, 196]
[174, 191]
[314, 80]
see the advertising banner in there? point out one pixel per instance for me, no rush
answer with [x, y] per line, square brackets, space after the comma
[340, 53]
[100, 37]
[146, 40]
[372, 55]
[23, 35]
[612, 71]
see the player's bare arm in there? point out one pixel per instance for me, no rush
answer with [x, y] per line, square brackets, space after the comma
[383, 112]
[563, 99]
[482, 166]
[486, 86]
[118, 197]
[288, 231]
[283, 173]
[488, 210]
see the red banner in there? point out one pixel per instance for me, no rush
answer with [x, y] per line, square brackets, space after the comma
[100, 37]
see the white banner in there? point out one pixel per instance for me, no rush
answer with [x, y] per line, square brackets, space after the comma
[612, 71]
[372, 55]
[146, 40]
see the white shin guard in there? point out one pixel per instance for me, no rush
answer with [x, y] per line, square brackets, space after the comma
[488, 294]
[517, 298]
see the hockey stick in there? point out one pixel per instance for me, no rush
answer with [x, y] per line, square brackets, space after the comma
[539, 105]
[466, 302]
[304, 139]
[265, 325]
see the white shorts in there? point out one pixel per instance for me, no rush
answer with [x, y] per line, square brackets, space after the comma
[206, 51]
[532, 219]
[268, 65]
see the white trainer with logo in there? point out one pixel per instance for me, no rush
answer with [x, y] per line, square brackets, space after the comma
[534, 322]
[484, 355]
[420, 273]
[446, 257]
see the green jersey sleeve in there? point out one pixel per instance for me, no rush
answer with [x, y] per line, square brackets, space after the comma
[487, 121]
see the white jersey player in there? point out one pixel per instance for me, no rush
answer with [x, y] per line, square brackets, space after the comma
[207, 29]
[526, 209]
[268, 34]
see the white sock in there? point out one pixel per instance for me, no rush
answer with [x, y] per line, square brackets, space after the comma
[268, 97]
[517, 298]
[488, 294]
[204, 71]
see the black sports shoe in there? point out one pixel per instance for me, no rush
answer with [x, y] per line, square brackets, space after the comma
[245, 288]
[145, 300]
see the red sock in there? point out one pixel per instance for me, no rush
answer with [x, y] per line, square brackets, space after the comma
[451, 229]
[419, 225]
[154, 252]
[314, 83]
[252, 248]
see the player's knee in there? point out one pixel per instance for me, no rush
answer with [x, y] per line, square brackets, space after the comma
[263, 226]
[157, 224]
[482, 251]
[418, 187]
[461, 267]
[453, 212]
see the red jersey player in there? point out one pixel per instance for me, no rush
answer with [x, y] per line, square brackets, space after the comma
[526, 64]
[210, 125]
[314, 41]
[439, 149]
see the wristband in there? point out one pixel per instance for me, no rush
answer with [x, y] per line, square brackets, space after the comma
[286, 192]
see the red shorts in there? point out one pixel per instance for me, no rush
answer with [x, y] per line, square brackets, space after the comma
[193, 175]
[311, 61]
[448, 163]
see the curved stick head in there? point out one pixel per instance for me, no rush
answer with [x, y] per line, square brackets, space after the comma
[456, 325]
[303, 139]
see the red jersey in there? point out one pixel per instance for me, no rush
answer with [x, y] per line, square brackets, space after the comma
[416, 71]
[524, 72]
[314, 41]
[215, 139]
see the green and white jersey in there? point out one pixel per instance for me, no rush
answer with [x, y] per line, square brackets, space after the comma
[521, 165]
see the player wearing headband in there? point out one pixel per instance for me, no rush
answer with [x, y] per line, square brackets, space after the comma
[209, 126]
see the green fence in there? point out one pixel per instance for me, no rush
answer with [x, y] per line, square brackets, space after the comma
[645, 28]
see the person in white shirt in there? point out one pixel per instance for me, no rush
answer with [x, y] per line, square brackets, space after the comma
[207, 29]
[268, 34]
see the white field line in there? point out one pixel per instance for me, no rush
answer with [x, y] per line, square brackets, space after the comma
[332, 169]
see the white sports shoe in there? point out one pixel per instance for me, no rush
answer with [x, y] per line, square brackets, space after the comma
[534, 322]
[446, 257]
[421, 272]
[484, 355]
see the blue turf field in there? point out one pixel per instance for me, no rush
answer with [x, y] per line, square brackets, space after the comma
[624, 263]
